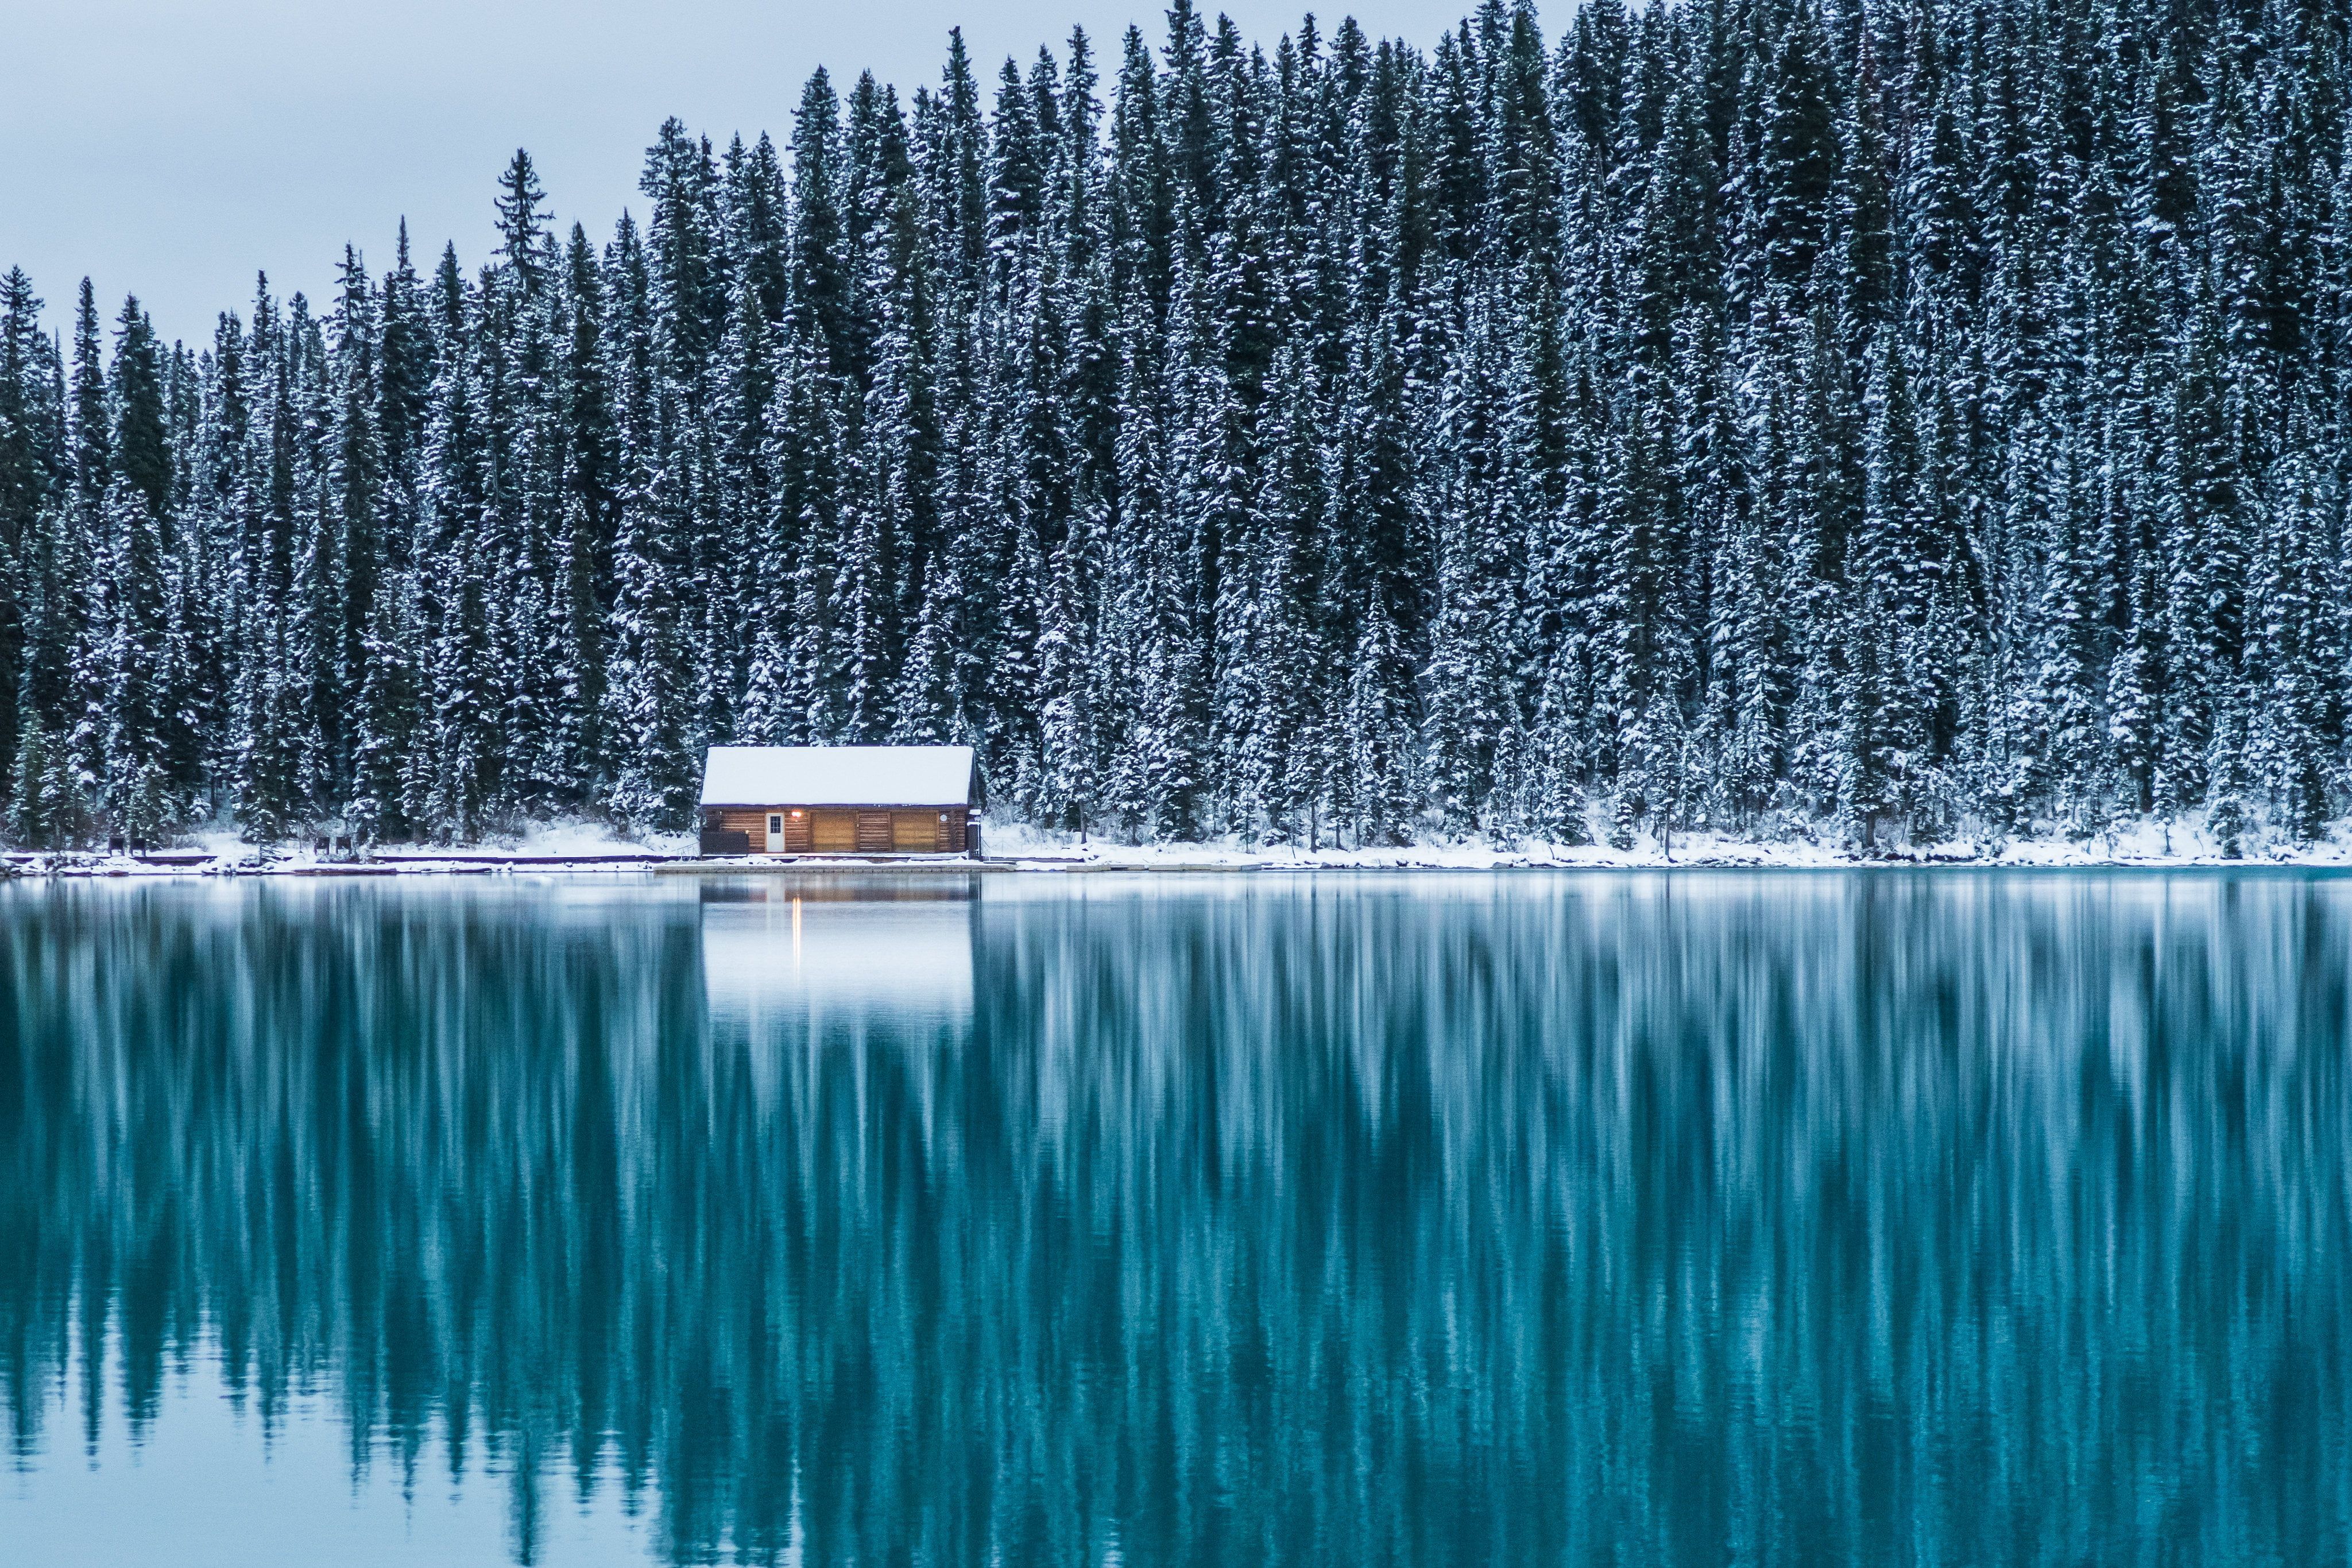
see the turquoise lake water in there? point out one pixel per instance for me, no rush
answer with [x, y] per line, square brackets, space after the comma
[1681, 1218]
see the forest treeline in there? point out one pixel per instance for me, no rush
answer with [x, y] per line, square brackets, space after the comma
[1886, 417]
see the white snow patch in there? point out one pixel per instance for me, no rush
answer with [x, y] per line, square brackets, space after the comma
[2127, 844]
[583, 837]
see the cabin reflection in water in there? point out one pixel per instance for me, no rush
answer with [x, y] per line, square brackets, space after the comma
[838, 949]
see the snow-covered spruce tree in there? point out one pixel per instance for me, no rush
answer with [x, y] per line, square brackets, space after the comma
[646, 698]
[41, 807]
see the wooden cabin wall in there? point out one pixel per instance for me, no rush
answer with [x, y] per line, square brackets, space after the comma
[745, 820]
[852, 830]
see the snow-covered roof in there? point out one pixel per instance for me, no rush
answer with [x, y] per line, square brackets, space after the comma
[837, 775]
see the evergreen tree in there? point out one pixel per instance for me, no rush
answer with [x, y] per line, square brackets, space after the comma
[1902, 423]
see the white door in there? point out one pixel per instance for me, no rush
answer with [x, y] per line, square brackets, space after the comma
[775, 833]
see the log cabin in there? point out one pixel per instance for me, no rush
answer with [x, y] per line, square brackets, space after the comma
[840, 800]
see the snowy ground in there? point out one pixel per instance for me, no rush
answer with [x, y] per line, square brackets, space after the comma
[565, 846]
[590, 847]
[2143, 843]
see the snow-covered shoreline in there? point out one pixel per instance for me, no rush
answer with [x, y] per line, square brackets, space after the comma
[2138, 844]
[587, 849]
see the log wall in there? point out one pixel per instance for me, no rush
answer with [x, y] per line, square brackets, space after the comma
[849, 830]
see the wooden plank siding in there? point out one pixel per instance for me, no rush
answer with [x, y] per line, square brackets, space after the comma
[747, 820]
[856, 830]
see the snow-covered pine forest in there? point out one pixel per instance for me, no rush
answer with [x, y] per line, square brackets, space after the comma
[1879, 417]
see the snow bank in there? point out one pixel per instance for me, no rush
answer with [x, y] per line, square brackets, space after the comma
[2137, 844]
[580, 847]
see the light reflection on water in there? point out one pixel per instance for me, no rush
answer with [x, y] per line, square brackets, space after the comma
[1678, 1217]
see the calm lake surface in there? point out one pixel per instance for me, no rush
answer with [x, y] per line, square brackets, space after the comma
[1692, 1217]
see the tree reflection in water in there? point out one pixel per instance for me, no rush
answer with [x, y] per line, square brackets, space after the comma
[1672, 1217]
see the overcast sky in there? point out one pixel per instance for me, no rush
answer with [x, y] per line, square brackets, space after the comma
[173, 148]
